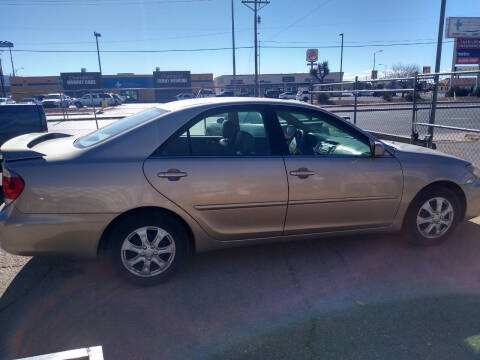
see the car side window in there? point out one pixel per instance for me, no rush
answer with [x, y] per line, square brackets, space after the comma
[233, 133]
[316, 133]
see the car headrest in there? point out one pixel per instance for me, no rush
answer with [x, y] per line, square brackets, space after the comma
[290, 130]
[245, 143]
[309, 142]
[229, 129]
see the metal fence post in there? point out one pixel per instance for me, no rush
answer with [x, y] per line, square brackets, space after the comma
[355, 87]
[414, 135]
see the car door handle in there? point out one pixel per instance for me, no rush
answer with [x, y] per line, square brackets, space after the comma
[172, 174]
[302, 173]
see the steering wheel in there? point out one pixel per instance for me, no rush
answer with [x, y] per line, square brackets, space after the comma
[298, 136]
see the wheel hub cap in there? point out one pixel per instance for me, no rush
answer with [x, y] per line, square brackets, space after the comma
[435, 217]
[148, 251]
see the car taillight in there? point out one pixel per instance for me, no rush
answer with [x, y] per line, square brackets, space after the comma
[12, 185]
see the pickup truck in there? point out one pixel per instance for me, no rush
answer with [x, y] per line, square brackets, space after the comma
[18, 119]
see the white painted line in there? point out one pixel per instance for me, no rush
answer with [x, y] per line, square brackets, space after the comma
[91, 353]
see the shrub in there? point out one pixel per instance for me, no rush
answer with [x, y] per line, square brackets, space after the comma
[387, 96]
[323, 98]
[409, 96]
[458, 92]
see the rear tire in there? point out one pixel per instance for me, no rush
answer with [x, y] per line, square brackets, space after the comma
[147, 249]
[432, 216]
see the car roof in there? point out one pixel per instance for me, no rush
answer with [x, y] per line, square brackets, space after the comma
[223, 101]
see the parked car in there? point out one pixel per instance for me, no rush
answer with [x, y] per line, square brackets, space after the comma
[287, 95]
[272, 94]
[56, 100]
[154, 186]
[226, 93]
[118, 100]
[94, 100]
[365, 93]
[30, 101]
[7, 100]
[20, 119]
[184, 96]
[303, 95]
[206, 93]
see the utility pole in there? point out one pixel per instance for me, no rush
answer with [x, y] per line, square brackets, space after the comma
[257, 6]
[1, 79]
[341, 60]
[97, 35]
[433, 109]
[233, 54]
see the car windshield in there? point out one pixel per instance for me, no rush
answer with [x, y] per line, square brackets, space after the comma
[118, 127]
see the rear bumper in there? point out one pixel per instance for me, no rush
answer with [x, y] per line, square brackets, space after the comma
[51, 234]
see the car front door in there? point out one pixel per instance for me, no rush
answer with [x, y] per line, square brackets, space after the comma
[225, 173]
[334, 181]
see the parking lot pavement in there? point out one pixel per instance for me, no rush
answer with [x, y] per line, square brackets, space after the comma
[359, 297]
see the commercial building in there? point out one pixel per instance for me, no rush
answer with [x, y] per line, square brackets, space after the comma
[23, 87]
[283, 82]
[160, 86]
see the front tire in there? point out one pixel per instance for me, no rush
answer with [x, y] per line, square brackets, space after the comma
[432, 217]
[147, 249]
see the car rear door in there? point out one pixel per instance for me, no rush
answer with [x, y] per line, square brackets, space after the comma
[233, 183]
[334, 181]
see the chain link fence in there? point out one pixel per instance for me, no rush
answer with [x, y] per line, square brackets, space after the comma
[401, 109]
[393, 109]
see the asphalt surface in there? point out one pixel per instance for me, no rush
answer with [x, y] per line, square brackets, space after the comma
[363, 297]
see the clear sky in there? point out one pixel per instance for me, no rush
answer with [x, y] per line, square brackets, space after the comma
[200, 24]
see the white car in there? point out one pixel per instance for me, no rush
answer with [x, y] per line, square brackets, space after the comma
[56, 100]
[184, 96]
[94, 100]
[7, 101]
[303, 95]
[206, 93]
[287, 95]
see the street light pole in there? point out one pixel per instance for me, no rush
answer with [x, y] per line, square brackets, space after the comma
[97, 35]
[375, 53]
[11, 60]
[341, 60]
[233, 54]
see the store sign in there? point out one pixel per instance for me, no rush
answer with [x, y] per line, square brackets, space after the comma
[468, 51]
[81, 80]
[312, 55]
[374, 74]
[6, 44]
[286, 79]
[171, 79]
[464, 27]
[427, 70]
[236, 82]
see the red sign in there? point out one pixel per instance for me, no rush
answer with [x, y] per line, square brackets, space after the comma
[468, 51]
[312, 55]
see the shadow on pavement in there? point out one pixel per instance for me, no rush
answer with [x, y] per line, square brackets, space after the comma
[338, 298]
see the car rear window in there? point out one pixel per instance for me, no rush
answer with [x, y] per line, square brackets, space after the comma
[118, 127]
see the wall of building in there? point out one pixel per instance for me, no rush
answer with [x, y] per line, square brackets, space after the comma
[287, 82]
[22, 87]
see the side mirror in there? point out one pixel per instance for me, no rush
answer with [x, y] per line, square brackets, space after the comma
[378, 149]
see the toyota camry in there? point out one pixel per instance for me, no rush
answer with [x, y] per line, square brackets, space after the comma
[209, 173]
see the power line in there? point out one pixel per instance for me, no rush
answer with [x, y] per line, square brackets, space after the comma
[223, 48]
[97, 3]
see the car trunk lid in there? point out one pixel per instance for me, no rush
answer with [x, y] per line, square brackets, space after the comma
[29, 146]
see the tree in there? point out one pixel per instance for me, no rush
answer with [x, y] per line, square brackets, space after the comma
[320, 71]
[400, 70]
